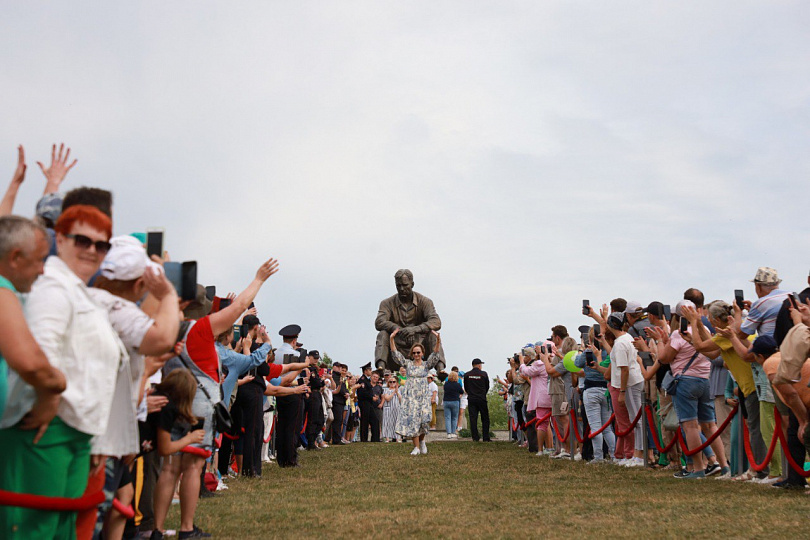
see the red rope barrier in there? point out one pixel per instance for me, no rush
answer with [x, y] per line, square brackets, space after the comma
[632, 425]
[125, 510]
[557, 430]
[202, 452]
[576, 428]
[656, 442]
[53, 504]
[777, 435]
[536, 420]
[710, 439]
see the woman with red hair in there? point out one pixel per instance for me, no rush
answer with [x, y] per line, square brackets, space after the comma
[76, 336]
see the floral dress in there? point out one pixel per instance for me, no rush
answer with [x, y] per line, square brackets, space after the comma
[414, 411]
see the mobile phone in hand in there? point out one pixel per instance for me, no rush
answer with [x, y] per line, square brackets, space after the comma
[739, 298]
[667, 313]
[597, 331]
[794, 300]
[684, 325]
[586, 307]
[154, 242]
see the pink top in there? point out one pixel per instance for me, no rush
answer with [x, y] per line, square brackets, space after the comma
[538, 394]
[684, 350]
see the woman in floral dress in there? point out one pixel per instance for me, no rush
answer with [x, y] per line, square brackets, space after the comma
[414, 412]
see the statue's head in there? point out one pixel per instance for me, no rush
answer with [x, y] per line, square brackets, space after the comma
[404, 281]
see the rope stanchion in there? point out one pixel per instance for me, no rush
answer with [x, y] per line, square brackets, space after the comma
[656, 442]
[125, 510]
[711, 439]
[52, 504]
[632, 425]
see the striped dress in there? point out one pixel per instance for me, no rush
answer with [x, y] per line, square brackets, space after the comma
[390, 414]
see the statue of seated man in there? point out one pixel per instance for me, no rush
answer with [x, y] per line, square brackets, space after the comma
[414, 315]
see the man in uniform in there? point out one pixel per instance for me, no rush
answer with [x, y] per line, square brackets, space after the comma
[365, 400]
[476, 384]
[288, 407]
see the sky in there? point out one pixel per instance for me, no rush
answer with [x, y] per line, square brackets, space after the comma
[518, 157]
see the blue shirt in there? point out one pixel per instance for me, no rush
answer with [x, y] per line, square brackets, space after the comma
[238, 364]
[761, 318]
[591, 374]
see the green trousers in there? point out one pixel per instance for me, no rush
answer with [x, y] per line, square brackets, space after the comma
[57, 466]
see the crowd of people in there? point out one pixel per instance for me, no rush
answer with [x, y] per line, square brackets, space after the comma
[716, 389]
[120, 391]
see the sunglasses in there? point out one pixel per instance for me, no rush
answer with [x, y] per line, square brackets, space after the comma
[83, 242]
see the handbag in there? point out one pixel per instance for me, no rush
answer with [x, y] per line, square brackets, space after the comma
[670, 383]
[670, 417]
[223, 423]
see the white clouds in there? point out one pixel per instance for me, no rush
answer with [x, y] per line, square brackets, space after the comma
[518, 157]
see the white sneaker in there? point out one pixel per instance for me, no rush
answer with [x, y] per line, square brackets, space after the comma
[578, 457]
[221, 485]
[449, 435]
[539, 454]
[423, 447]
[635, 462]
[561, 455]
[415, 452]
[622, 462]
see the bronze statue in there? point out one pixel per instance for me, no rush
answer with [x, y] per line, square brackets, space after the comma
[413, 314]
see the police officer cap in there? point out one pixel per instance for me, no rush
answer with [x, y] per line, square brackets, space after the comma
[477, 362]
[367, 366]
[314, 354]
[291, 330]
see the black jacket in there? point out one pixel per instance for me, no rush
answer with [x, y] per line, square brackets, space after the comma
[476, 384]
[364, 393]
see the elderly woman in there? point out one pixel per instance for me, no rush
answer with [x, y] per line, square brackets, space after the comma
[414, 414]
[452, 403]
[75, 334]
[539, 399]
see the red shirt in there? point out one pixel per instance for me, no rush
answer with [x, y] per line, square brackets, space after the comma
[275, 371]
[201, 349]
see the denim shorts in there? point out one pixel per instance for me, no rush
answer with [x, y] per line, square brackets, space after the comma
[693, 400]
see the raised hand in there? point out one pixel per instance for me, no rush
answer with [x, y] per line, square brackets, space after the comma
[157, 283]
[690, 313]
[58, 169]
[19, 172]
[267, 269]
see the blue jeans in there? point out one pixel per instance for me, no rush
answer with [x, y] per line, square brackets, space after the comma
[598, 412]
[451, 416]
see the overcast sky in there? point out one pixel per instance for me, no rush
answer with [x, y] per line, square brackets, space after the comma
[518, 157]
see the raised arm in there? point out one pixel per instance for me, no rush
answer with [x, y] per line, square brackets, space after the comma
[7, 204]
[224, 319]
[56, 173]
[162, 335]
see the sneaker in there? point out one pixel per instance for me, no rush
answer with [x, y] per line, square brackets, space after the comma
[578, 456]
[548, 451]
[725, 474]
[635, 462]
[786, 484]
[622, 462]
[449, 435]
[712, 468]
[769, 481]
[682, 473]
[196, 532]
[415, 452]
[694, 475]
[156, 535]
[423, 447]
[221, 485]
[539, 454]
[595, 462]
[747, 476]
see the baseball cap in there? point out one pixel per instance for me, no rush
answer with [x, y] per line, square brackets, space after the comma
[655, 308]
[634, 308]
[765, 346]
[126, 260]
[477, 362]
[766, 276]
[681, 304]
[49, 208]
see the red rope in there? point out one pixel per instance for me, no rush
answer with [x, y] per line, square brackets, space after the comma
[125, 510]
[593, 434]
[231, 437]
[632, 425]
[202, 452]
[53, 504]
[576, 428]
[536, 420]
[303, 429]
[656, 442]
[557, 430]
[777, 435]
[710, 439]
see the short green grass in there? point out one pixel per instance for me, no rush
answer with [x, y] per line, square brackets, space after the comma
[488, 490]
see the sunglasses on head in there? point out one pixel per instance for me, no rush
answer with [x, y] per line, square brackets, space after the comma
[83, 242]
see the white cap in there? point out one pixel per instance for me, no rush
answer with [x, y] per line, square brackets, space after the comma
[633, 308]
[681, 304]
[126, 260]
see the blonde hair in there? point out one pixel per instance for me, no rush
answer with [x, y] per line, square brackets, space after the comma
[568, 344]
[453, 376]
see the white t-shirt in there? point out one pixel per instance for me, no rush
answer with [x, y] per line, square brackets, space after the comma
[434, 388]
[624, 355]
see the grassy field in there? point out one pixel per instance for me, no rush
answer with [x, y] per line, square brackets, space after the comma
[463, 489]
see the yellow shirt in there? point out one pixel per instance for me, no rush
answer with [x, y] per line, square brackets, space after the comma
[736, 365]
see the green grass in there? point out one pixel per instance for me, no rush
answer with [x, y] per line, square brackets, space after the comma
[495, 490]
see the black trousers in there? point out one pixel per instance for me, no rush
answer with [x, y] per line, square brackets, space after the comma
[366, 418]
[796, 449]
[476, 407]
[337, 423]
[224, 458]
[531, 432]
[249, 401]
[315, 420]
[287, 430]
[376, 424]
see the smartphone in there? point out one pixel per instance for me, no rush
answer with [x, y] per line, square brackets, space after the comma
[252, 305]
[586, 307]
[237, 332]
[184, 278]
[154, 242]
[243, 330]
[589, 358]
[684, 325]
[739, 298]
[794, 300]
[597, 331]
[199, 425]
[211, 292]
[224, 302]
[667, 313]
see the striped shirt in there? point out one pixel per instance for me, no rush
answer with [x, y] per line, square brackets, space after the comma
[761, 318]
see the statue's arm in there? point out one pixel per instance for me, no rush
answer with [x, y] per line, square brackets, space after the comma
[383, 320]
[432, 320]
